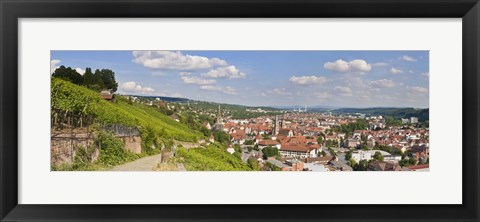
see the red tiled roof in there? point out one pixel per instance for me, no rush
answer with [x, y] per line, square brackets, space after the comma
[268, 143]
[418, 167]
[296, 147]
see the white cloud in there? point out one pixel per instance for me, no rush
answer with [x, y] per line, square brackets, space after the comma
[307, 80]
[380, 64]
[53, 65]
[418, 90]
[185, 73]
[175, 60]
[230, 72]
[322, 95]
[280, 91]
[227, 90]
[382, 83]
[133, 87]
[426, 75]
[395, 71]
[166, 94]
[343, 90]
[197, 81]
[408, 58]
[357, 65]
[80, 71]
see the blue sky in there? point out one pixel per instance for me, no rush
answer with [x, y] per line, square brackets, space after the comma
[267, 78]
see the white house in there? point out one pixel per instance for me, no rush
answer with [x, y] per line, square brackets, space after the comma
[361, 155]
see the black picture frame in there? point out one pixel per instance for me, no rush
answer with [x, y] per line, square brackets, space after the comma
[12, 10]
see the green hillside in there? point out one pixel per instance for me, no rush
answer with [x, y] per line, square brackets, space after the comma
[212, 158]
[76, 99]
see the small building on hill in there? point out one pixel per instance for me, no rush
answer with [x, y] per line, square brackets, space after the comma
[107, 95]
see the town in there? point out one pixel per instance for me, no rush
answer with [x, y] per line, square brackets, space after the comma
[299, 140]
[304, 141]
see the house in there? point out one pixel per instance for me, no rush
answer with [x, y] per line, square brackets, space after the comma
[340, 166]
[207, 125]
[350, 143]
[238, 137]
[296, 165]
[422, 167]
[175, 117]
[361, 155]
[107, 95]
[211, 139]
[383, 166]
[286, 132]
[315, 167]
[297, 150]
[264, 143]
[230, 150]
[320, 160]
[392, 158]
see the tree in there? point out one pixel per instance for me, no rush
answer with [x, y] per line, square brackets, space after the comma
[322, 154]
[221, 137]
[108, 78]
[253, 164]
[237, 148]
[88, 77]
[205, 131]
[348, 156]
[320, 139]
[378, 156]
[352, 163]
[329, 143]
[412, 161]
[68, 74]
[237, 155]
[362, 166]
[269, 152]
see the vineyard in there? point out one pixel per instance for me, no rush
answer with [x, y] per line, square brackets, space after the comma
[79, 100]
[213, 158]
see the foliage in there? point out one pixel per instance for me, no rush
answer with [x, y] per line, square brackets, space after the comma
[83, 157]
[75, 99]
[348, 129]
[378, 156]
[408, 162]
[213, 158]
[68, 74]
[348, 156]
[112, 150]
[221, 137]
[270, 151]
[361, 166]
[320, 139]
[272, 167]
[252, 163]
[390, 121]
[249, 142]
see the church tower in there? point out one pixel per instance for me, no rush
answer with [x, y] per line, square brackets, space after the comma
[276, 126]
[219, 122]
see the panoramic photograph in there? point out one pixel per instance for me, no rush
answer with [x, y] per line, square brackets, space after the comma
[235, 110]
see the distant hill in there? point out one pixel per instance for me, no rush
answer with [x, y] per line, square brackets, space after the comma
[422, 114]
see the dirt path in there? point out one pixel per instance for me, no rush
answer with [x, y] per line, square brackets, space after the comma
[142, 164]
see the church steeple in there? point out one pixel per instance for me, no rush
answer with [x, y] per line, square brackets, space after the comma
[219, 115]
[219, 123]
[276, 126]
